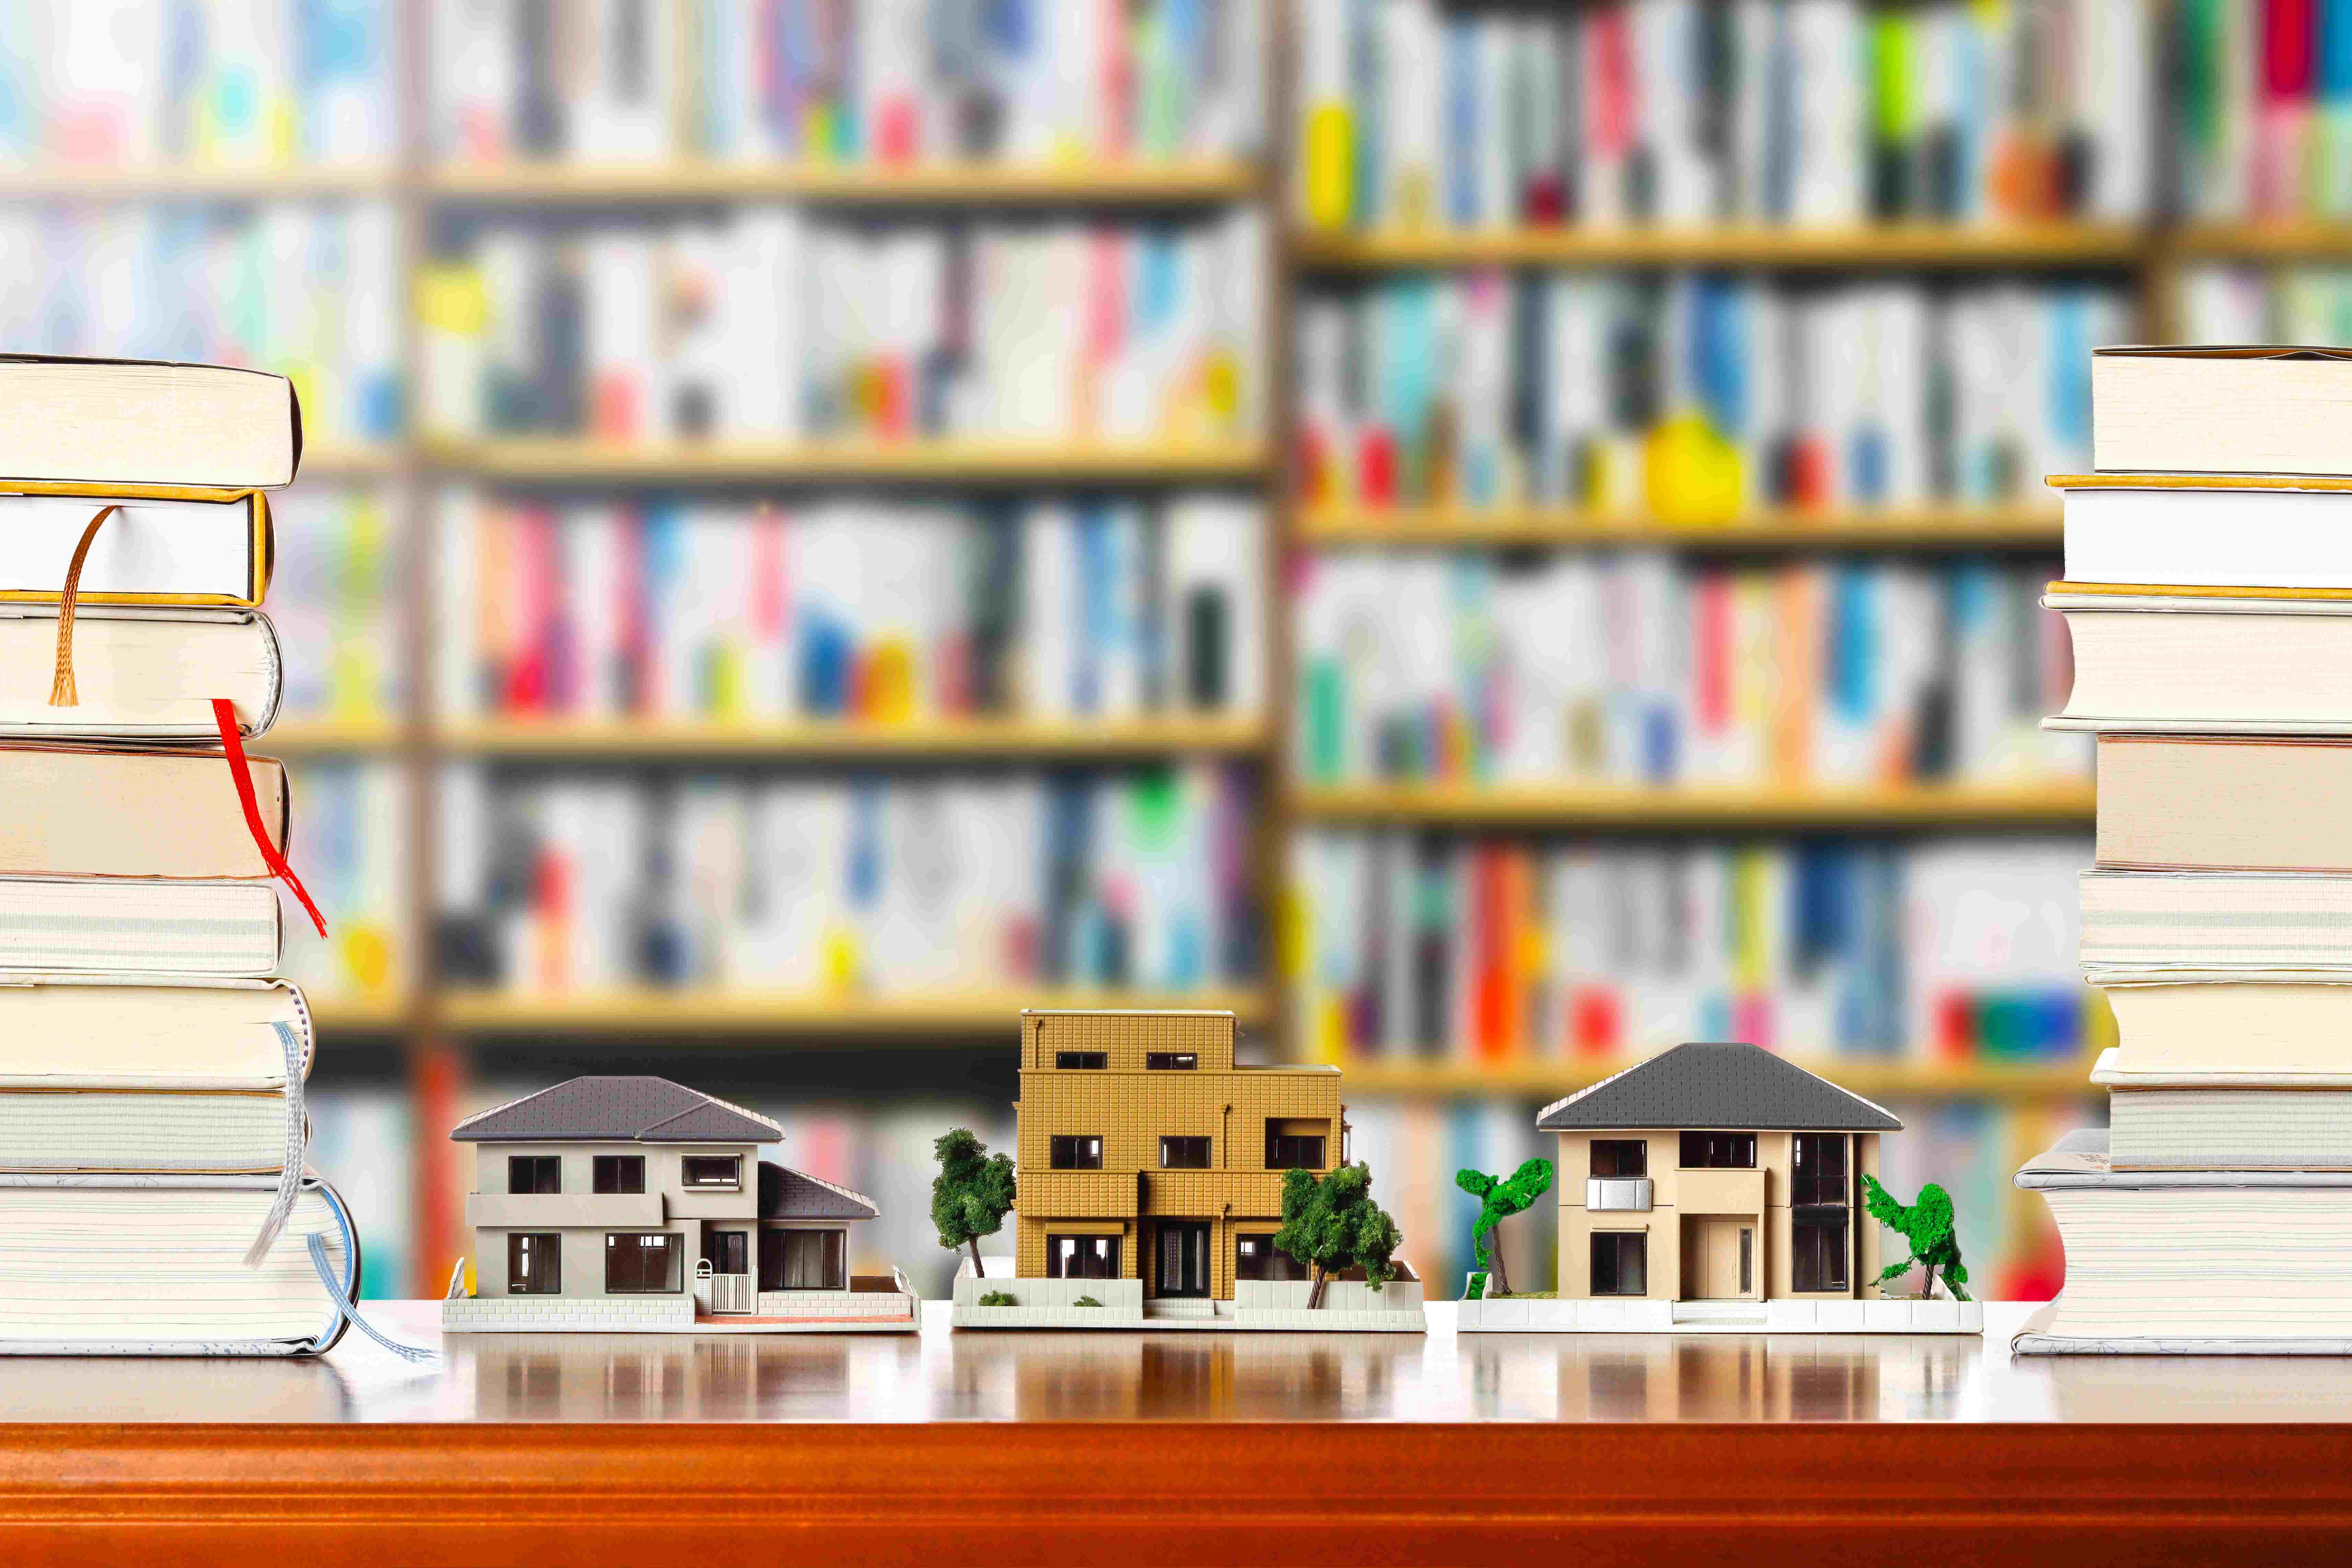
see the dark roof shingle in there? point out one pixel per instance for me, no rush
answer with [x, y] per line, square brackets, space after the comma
[787, 1193]
[1720, 1086]
[633, 1109]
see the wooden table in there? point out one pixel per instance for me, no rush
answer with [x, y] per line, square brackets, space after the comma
[956, 1449]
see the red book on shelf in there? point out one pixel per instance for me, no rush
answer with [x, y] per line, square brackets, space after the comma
[2288, 28]
[1594, 1021]
[1489, 954]
[1376, 467]
[1712, 711]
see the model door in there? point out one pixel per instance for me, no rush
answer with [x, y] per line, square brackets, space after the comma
[1184, 1258]
[731, 1271]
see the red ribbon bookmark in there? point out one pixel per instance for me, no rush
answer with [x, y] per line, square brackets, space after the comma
[225, 715]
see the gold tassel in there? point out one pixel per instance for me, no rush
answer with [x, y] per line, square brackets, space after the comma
[62, 693]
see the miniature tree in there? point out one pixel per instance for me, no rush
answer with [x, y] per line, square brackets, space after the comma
[1500, 1197]
[1928, 1226]
[973, 1193]
[1331, 1224]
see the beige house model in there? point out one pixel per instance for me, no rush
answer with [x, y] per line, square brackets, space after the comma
[622, 1203]
[1716, 1174]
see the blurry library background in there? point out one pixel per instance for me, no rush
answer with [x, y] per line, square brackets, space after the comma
[1488, 539]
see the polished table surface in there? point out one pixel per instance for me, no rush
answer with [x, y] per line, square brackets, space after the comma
[1183, 1446]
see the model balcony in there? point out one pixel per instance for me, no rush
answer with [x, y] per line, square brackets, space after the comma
[556, 1211]
[1621, 1194]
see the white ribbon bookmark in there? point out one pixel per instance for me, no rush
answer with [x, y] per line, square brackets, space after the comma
[298, 1147]
[349, 1314]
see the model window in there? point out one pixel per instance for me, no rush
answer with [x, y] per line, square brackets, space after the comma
[1719, 1151]
[1620, 1263]
[1819, 1169]
[1172, 1061]
[639, 1262]
[1183, 1153]
[534, 1174]
[620, 1173]
[711, 1171]
[1621, 1156]
[1093, 1061]
[1258, 1257]
[1294, 1151]
[534, 1265]
[804, 1260]
[1078, 1152]
[1082, 1257]
[1818, 1250]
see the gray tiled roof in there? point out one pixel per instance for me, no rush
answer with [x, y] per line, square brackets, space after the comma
[1718, 1086]
[786, 1194]
[631, 1110]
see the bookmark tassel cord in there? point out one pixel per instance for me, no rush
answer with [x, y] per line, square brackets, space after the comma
[62, 691]
[298, 1148]
[325, 1265]
[225, 715]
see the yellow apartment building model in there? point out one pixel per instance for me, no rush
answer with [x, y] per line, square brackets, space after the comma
[1150, 1170]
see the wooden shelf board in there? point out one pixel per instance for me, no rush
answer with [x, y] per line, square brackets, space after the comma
[973, 181]
[1862, 245]
[196, 180]
[2285, 240]
[1918, 527]
[950, 462]
[958, 737]
[964, 1015]
[372, 1015]
[311, 735]
[1634, 805]
[351, 460]
[1901, 1077]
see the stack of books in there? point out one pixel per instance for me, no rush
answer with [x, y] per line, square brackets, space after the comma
[152, 1185]
[2209, 593]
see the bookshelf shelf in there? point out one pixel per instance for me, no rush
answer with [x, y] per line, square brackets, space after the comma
[1898, 1078]
[959, 182]
[2281, 239]
[193, 181]
[963, 1016]
[1867, 245]
[1888, 528]
[359, 1014]
[954, 461]
[1607, 805]
[317, 735]
[936, 737]
[351, 460]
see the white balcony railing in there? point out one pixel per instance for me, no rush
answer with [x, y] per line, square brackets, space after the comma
[1621, 1193]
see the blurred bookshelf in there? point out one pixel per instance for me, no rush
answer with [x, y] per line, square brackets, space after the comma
[433, 191]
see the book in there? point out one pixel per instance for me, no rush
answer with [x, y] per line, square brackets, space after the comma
[2173, 662]
[148, 1032]
[140, 674]
[135, 925]
[84, 811]
[82, 1273]
[2170, 1120]
[2222, 1021]
[2225, 803]
[2226, 409]
[2211, 921]
[2201, 530]
[147, 422]
[187, 547]
[2212, 1262]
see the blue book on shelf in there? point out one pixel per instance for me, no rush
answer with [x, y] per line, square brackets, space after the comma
[1461, 156]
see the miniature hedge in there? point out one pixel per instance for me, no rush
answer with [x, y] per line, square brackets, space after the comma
[998, 1298]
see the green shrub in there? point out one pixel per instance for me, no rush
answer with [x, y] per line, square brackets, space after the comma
[1477, 1286]
[1085, 1302]
[998, 1298]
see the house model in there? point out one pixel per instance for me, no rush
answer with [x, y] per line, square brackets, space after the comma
[1717, 1187]
[1150, 1169]
[636, 1205]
